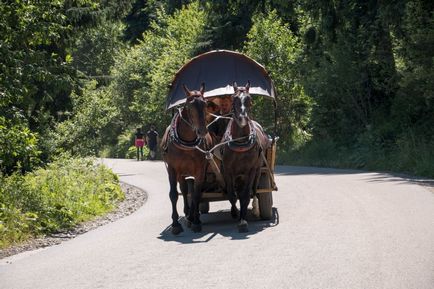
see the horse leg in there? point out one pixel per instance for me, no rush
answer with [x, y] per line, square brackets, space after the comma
[194, 187]
[231, 195]
[244, 203]
[184, 189]
[255, 205]
[173, 194]
[250, 180]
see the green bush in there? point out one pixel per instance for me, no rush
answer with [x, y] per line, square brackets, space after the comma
[18, 146]
[132, 152]
[65, 193]
[274, 45]
[408, 154]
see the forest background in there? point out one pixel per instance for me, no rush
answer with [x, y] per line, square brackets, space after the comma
[354, 78]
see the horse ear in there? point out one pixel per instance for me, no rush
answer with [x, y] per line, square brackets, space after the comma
[187, 91]
[248, 85]
[202, 88]
[235, 86]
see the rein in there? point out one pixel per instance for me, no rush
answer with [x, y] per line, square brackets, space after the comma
[176, 140]
[208, 153]
[186, 121]
[217, 117]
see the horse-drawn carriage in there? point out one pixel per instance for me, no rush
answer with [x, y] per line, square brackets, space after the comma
[216, 156]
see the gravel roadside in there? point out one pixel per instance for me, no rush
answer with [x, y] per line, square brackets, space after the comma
[134, 199]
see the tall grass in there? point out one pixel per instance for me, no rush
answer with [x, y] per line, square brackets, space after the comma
[65, 193]
[407, 154]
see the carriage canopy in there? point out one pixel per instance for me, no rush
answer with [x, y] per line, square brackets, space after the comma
[219, 69]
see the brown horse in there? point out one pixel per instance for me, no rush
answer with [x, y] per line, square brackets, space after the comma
[241, 159]
[186, 165]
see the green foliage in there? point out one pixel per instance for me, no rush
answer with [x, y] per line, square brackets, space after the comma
[353, 78]
[95, 49]
[37, 72]
[132, 153]
[65, 193]
[143, 73]
[95, 124]
[368, 70]
[413, 108]
[140, 17]
[350, 69]
[35, 58]
[228, 24]
[409, 155]
[34, 79]
[124, 148]
[274, 45]
[18, 147]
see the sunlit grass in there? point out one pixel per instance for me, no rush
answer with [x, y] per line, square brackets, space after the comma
[65, 193]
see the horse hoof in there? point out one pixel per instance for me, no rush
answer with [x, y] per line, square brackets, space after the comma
[177, 230]
[243, 227]
[196, 228]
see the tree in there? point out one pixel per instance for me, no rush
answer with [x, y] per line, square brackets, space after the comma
[272, 43]
[37, 77]
[140, 78]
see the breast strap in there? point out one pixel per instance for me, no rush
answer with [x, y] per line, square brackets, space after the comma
[239, 145]
[176, 140]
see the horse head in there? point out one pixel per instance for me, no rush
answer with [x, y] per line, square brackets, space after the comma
[195, 107]
[241, 104]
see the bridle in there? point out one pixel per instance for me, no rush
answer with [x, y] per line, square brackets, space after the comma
[174, 136]
[243, 143]
[185, 120]
[241, 95]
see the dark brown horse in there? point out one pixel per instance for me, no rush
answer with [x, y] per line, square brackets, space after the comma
[241, 159]
[186, 165]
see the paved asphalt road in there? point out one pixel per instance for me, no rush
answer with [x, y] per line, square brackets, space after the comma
[331, 229]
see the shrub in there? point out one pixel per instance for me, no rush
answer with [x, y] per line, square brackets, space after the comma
[18, 146]
[65, 193]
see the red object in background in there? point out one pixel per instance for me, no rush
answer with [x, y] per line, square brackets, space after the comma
[140, 142]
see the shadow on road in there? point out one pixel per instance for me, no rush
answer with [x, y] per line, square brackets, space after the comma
[293, 170]
[368, 176]
[219, 223]
[400, 178]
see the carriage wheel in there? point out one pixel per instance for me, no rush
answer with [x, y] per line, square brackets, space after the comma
[265, 200]
[265, 205]
[204, 207]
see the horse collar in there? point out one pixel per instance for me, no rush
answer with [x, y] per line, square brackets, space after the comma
[176, 140]
[236, 144]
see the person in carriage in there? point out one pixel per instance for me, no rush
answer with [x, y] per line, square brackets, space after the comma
[217, 127]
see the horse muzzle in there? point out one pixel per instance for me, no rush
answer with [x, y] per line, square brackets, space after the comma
[242, 121]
